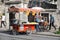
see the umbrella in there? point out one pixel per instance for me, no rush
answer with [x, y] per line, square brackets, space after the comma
[38, 8]
[23, 9]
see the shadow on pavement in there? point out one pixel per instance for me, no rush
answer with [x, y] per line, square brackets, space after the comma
[10, 32]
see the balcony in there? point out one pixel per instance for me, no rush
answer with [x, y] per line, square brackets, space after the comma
[48, 5]
[50, 10]
[12, 2]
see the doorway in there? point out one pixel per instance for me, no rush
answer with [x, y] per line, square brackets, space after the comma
[46, 16]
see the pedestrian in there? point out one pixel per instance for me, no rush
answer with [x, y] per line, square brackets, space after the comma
[3, 20]
[52, 22]
[37, 19]
[11, 15]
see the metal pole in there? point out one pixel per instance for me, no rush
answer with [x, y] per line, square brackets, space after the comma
[23, 3]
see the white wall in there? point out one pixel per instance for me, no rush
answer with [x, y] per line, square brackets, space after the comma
[58, 4]
[7, 17]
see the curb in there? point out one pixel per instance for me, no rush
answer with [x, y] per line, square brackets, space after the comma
[54, 35]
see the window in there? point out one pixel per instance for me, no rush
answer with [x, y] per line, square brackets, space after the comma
[33, 4]
[52, 0]
[55, 0]
[2, 1]
[48, 5]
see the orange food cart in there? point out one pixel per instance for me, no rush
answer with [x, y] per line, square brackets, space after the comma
[25, 27]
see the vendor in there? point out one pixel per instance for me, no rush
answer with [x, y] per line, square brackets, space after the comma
[30, 17]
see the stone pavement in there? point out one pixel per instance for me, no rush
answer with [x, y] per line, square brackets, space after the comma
[49, 33]
[3, 29]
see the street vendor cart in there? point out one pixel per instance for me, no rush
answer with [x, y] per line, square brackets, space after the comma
[27, 27]
[24, 27]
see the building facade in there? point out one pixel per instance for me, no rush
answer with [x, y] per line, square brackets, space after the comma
[48, 11]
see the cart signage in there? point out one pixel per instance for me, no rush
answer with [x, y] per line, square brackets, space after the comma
[21, 27]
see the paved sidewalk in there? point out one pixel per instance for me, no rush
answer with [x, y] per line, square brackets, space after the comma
[3, 29]
[48, 34]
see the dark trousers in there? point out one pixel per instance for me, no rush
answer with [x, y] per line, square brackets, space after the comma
[37, 28]
[3, 22]
[52, 24]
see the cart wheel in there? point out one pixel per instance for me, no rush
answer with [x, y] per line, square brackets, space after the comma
[29, 32]
[14, 32]
[47, 28]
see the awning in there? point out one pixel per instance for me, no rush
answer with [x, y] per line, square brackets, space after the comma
[28, 9]
[38, 8]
